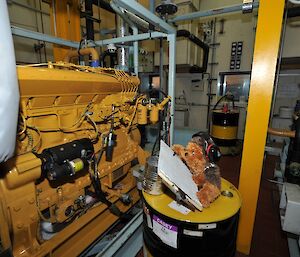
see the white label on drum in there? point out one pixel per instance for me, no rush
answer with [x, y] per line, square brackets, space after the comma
[207, 226]
[180, 208]
[165, 231]
[193, 233]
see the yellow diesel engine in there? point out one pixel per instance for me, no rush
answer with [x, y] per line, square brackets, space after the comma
[70, 179]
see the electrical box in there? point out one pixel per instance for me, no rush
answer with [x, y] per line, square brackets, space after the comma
[290, 208]
[187, 53]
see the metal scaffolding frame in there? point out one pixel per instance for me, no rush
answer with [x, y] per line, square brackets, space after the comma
[213, 12]
[165, 31]
[139, 10]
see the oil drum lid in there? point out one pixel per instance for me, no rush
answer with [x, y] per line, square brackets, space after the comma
[224, 207]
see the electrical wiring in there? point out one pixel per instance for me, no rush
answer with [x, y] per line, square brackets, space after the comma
[24, 125]
[134, 113]
[94, 125]
[37, 205]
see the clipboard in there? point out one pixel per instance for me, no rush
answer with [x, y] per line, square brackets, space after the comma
[177, 177]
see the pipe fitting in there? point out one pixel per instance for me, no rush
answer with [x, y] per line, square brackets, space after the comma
[84, 51]
[281, 132]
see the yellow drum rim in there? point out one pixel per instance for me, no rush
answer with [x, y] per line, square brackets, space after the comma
[224, 207]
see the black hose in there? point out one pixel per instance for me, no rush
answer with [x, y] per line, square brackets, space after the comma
[198, 42]
[158, 90]
[99, 192]
[223, 97]
[89, 23]
[104, 5]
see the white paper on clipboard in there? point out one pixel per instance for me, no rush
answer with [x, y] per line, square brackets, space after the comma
[170, 167]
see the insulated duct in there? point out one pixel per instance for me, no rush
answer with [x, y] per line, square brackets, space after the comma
[9, 90]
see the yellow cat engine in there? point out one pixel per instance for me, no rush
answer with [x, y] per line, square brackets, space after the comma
[77, 141]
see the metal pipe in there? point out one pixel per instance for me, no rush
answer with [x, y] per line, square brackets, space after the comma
[213, 12]
[281, 132]
[53, 6]
[135, 52]
[152, 6]
[138, 37]
[278, 66]
[139, 10]
[161, 64]
[121, 13]
[171, 81]
[84, 51]
[9, 90]
[27, 7]
[130, 18]
[199, 43]
[104, 5]
[135, 32]
[140, 23]
[43, 37]
[89, 23]
[123, 53]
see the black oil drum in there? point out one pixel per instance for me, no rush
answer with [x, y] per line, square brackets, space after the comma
[225, 127]
[171, 230]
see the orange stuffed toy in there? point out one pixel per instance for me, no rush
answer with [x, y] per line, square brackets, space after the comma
[206, 176]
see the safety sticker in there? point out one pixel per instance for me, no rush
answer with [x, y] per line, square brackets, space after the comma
[166, 232]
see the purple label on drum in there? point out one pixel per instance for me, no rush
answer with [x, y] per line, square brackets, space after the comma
[165, 224]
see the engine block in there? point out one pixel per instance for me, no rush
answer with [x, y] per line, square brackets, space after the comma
[77, 139]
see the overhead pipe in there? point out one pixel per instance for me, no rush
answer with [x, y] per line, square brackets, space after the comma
[123, 53]
[139, 37]
[89, 23]
[84, 51]
[139, 10]
[9, 90]
[104, 5]
[21, 32]
[199, 43]
[209, 13]
[157, 22]
[135, 33]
